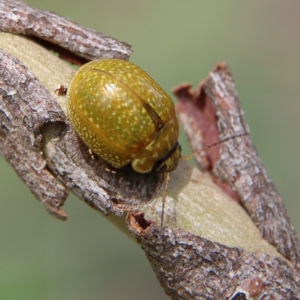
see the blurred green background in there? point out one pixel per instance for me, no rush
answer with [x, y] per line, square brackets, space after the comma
[175, 41]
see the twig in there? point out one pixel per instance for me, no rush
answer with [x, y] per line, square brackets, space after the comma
[17, 17]
[215, 108]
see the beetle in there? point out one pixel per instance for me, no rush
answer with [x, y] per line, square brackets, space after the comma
[124, 116]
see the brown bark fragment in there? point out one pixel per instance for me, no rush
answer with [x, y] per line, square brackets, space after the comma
[19, 18]
[25, 107]
[237, 164]
[191, 267]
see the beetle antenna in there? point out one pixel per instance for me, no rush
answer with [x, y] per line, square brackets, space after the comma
[214, 144]
[163, 202]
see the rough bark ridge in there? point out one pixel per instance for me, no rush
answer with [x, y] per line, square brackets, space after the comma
[190, 267]
[20, 131]
[19, 18]
[190, 260]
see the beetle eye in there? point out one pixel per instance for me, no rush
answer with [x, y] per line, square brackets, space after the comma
[170, 161]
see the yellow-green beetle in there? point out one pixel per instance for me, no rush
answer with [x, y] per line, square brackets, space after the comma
[124, 116]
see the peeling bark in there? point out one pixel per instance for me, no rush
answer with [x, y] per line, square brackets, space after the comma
[235, 165]
[191, 267]
[19, 18]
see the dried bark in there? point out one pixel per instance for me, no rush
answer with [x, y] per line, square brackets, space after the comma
[209, 248]
[240, 167]
[20, 134]
[19, 18]
[246, 173]
[191, 267]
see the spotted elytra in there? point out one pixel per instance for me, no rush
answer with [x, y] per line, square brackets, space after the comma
[125, 117]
